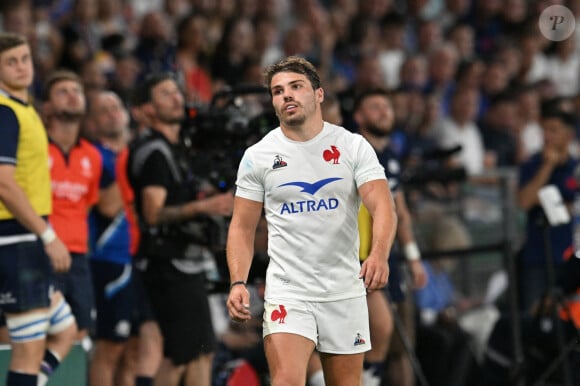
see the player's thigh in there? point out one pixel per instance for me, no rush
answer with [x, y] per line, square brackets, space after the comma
[25, 276]
[79, 291]
[290, 335]
[342, 369]
[288, 355]
[114, 300]
[380, 319]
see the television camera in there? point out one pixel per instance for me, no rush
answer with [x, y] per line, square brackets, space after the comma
[216, 136]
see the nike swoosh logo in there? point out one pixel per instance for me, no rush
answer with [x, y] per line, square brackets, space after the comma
[311, 188]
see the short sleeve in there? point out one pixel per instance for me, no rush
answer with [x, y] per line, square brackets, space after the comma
[93, 194]
[122, 178]
[367, 167]
[248, 183]
[9, 132]
[108, 170]
[155, 171]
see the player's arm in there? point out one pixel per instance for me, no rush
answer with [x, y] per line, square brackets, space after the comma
[105, 190]
[406, 238]
[15, 200]
[377, 198]
[240, 252]
[11, 194]
[110, 202]
[156, 212]
[527, 195]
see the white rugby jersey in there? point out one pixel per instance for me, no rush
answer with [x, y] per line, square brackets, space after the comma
[311, 201]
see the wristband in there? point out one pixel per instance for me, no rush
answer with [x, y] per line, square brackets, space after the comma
[239, 282]
[412, 251]
[48, 236]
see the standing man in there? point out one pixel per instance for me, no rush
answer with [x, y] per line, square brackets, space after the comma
[373, 113]
[75, 170]
[28, 244]
[174, 216]
[110, 259]
[310, 178]
[553, 165]
[143, 353]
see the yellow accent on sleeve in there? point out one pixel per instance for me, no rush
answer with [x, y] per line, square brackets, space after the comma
[365, 227]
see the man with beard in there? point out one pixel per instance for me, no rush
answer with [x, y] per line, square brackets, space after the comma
[173, 209]
[75, 170]
[373, 113]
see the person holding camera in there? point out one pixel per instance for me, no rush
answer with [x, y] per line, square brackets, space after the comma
[174, 215]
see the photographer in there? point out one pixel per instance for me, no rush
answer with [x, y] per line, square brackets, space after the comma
[173, 214]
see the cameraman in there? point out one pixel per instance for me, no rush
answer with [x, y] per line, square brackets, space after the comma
[174, 222]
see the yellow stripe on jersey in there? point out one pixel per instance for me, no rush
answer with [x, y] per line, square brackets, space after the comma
[365, 232]
[32, 173]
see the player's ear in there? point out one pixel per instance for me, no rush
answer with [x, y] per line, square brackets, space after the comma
[148, 110]
[320, 95]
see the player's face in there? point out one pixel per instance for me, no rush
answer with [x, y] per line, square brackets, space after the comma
[67, 98]
[376, 112]
[293, 98]
[167, 99]
[556, 134]
[110, 115]
[16, 70]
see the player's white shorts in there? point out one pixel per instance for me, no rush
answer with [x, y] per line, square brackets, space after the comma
[337, 327]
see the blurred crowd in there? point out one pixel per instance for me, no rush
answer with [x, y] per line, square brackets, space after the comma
[473, 74]
[449, 63]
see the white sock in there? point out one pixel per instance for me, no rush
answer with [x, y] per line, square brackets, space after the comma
[316, 379]
[370, 379]
[42, 379]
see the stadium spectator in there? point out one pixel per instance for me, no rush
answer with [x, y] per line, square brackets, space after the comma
[75, 170]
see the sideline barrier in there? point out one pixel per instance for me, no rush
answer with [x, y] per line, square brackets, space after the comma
[488, 208]
[71, 372]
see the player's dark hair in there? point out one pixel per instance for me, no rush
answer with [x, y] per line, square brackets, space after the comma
[293, 64]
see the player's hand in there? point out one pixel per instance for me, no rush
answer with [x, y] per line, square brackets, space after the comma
[418, 273]
[59, 255]
[375, 272]
[220, 204]
[551, 156]
[238, 304]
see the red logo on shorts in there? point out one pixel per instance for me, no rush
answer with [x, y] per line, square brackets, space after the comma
[279, 315]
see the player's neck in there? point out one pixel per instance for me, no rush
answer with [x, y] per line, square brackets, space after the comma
[21, 94]
[379, 143]
[64, 135]
[115, 143]
[169, 131]
[304, 132]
